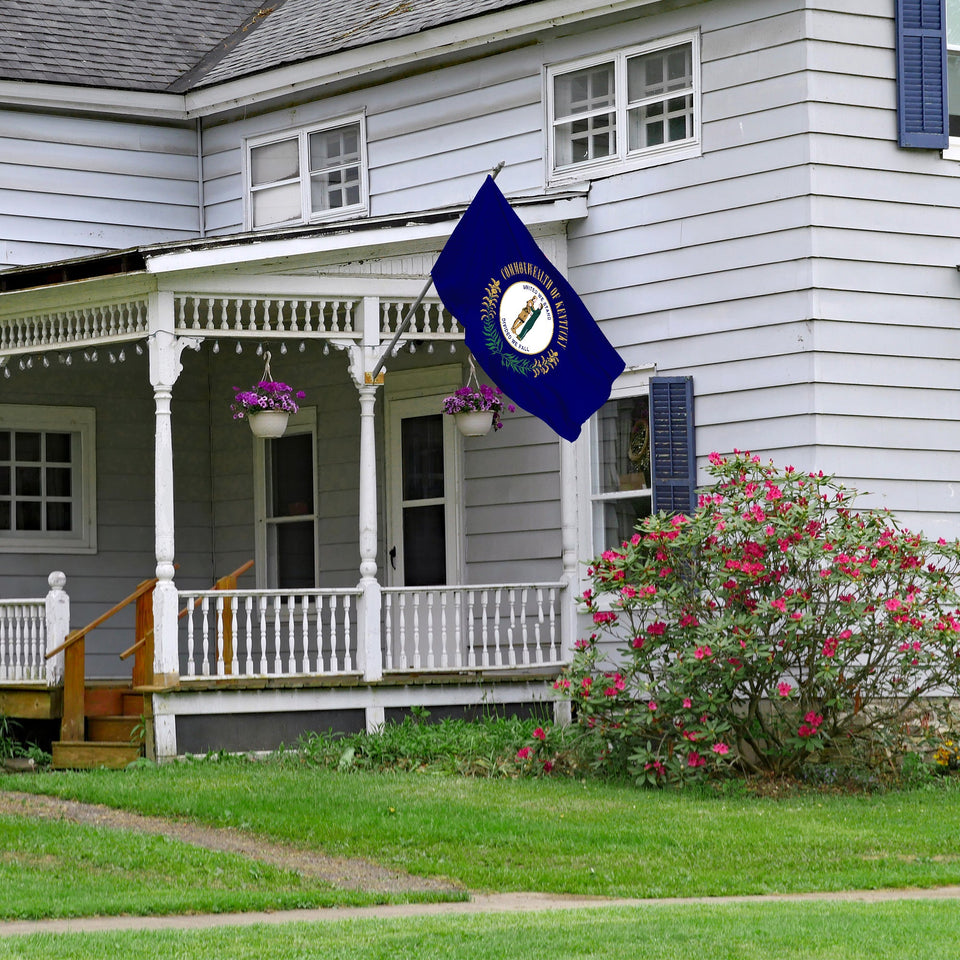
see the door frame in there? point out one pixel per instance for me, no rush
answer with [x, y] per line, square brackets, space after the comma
[412, 393]
[304, 421]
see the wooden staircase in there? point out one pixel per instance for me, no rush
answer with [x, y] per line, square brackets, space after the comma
[113, 734]
[104, 725]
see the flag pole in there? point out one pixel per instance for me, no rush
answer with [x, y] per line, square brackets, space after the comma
[412, 309]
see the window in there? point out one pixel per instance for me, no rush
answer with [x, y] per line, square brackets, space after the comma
[313, 174]
[285, 492]
[621, 492]
[642, 457]
[47, 479]
[625, 110]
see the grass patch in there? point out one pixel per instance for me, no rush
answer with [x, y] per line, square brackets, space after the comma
[799, 931]
[57, 869]
[560, 836]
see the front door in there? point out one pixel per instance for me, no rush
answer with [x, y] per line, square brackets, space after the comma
[422, 484]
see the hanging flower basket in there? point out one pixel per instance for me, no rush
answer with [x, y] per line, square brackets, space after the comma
[474, 423]
[268, 424]
[476, 407]
[267, 405]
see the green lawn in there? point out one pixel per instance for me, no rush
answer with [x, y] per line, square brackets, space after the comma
[798, 931]
[560, 836]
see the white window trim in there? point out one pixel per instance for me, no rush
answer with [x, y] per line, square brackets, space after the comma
[622, 161]
[80, 420]
[631, 383]
[302, 134]
[303, 421]
[406, 389]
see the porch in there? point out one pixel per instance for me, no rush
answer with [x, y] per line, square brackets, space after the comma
[354, 615]
[258, 667]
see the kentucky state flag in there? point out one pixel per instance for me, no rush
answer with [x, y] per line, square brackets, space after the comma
[524, 323]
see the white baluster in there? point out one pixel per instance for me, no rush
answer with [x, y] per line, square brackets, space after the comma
[205, 628]
[291, 635]
[305, 631]
[334, 660]
[277, 664]
[191, 666]
[262, 610]
[416, 631]
[431, 660]
[234, 662]
[497, 651]
[483, 628]
[471, 649]
[402, 621]
[523, 626]
[218, 605]
[347, 633]
[248, 635]
[388, 631]
[457, 622]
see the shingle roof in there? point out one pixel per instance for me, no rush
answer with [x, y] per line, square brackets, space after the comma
[127, 44]
[303, 29]
[158, 45]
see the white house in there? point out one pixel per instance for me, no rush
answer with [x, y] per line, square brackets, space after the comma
[754, 199]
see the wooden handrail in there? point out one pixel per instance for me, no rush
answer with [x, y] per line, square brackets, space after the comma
[239, 572]
[76, 635]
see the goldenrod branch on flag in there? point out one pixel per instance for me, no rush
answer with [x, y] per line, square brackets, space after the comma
[412, 309]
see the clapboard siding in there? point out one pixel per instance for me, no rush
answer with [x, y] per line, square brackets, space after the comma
[72, 186]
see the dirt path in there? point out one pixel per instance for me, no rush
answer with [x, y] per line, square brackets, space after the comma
[351, 874]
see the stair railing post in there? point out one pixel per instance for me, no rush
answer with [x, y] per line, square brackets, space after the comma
[58, 624]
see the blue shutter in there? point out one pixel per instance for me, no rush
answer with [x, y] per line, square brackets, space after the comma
[922, 74]
[673, 458]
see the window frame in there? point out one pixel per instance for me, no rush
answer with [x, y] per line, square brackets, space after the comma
[952, 152]
[623, 159]
[50, 419]
[302, 422]
[302, 136]
[632, 384]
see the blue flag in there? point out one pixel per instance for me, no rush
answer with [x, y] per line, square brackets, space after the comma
[524, 323]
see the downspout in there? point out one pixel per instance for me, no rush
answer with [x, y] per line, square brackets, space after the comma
[201, 211]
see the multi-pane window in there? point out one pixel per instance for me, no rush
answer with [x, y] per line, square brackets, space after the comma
[620, 490]
[308, 175]
[46, 479]
[629, 109]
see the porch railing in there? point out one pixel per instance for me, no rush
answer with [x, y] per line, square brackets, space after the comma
[23, 640]
[269, 633]
[29, 630]
[484, 627]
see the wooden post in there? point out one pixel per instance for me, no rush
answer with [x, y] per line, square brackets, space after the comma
[72, 723]
[229, 582]
[143, 655]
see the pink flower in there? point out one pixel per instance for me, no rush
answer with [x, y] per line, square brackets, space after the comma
[604, 616]
[893, 604]
[687, 703]
[637, 643]
[829, 647]
[547, 766]
[702, 652]
[784, 689]
[540, 734]
[720, 748]
[780, 605]
[524, 753]
[695, 760]
[652, 705]
[586, 683]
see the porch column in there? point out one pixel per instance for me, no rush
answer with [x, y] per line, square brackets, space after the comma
[165, 368]
[369, 652]
[57, 605]
[569, 541]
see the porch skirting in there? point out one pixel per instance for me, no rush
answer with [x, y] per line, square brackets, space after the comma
[257, 716]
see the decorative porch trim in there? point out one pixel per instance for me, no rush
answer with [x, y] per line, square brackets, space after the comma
[84, 326]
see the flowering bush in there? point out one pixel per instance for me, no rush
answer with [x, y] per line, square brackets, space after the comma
[266, 395]
[483, 398]
[774, 627]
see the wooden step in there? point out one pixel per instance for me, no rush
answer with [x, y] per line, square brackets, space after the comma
[113, 729]
[91, 755]
[132, 705]
[103, 701]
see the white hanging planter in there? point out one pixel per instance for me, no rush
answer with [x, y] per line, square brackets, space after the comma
[474, 423]
[268, 424]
